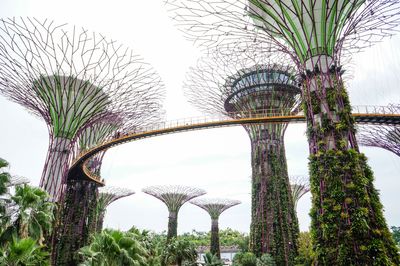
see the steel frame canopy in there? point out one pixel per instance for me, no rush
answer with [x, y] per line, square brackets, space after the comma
[72, 79]
[299, 186]
[380, 136]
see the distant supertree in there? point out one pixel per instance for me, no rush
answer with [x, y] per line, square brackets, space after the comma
[300, 186]
[348, 226]
[108, 195]
[214, 207]
[72, 79]
[174, 197]
[236, 80]
[17, 181]
[381, 136]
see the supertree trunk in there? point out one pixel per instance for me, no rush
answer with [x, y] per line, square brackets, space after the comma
[348, 225]
[92, 217]
[274, 227]
[73, 232]
[57, 161]
[214, 245]
[100, 221]
[172, 225]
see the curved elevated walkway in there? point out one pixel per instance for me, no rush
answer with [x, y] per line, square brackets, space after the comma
[385, 115]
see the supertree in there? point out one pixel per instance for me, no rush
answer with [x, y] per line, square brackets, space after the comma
[214, 207]
[72, 79]
[347, 222]
[236, 81]
[174, 197]
[17, 181]
[107, 195]
[381, 136]
[386, 137]
[83, 211]
[300, 186]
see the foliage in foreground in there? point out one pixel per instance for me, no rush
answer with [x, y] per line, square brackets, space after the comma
[26, 221]
[306, 255]
[23, 252]
[211, 260]
[227, 237]
[114, 247]
[179, 251]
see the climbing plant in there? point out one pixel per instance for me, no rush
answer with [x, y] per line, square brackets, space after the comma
[348, 227]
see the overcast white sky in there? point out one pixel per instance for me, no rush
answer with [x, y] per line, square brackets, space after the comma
[217, 160]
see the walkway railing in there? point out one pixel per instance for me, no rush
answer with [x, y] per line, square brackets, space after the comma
[363, 113]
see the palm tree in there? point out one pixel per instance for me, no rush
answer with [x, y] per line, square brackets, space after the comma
[35, 213]
[23, 252]
[113, 248]
[153, 243]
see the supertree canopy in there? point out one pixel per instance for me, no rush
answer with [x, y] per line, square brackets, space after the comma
[72, 79]
[381, 136]
[174, 197]
[300, 186]
[237, 81]
[108, 195]
[348, 226]
[214, 207]
[17, 181]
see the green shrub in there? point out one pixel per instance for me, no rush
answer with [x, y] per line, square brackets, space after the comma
[244, 259]
[266, 260]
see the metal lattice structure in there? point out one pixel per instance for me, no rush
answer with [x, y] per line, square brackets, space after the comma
[108, 195]
[214, 207]
[300, 186]
[237, 79]
[174, 197]
[213, 23]
[72, 78]
[386, 137]
[18, 180]
[381, 136]
[318, 36]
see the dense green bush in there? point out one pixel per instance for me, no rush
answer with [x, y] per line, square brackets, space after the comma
[227, 237]
[113, 248]
[25, 223]
[244, 259]
[306, 255]
[266, 260]
[211, 260]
